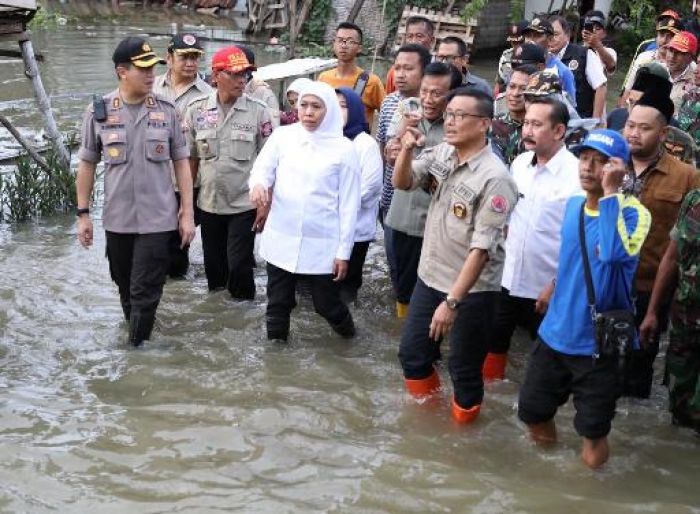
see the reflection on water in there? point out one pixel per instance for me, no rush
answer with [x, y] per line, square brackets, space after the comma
[211, 417]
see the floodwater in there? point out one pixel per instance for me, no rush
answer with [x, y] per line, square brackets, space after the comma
[211, 417]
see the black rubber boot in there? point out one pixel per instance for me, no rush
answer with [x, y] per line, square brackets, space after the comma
[140, 327]
[277, 329]
[345, 328]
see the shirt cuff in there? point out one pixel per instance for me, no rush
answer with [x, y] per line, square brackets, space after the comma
[344, 251]
[180, 153]
[84, 154]
[483, 242]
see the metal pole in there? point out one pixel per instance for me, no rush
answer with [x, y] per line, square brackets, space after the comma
[32, 71]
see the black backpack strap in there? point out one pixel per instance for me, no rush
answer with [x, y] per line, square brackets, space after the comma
[361, 83]
[590, 291]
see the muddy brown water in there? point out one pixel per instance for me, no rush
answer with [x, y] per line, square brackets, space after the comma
[210, 417]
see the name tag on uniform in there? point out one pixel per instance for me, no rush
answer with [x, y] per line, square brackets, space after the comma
[439, 169]
[113, 136]
[464, 192]
[114, 119]
[156, 116]
[242, 126]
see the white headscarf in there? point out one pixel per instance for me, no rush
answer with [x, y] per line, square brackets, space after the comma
[298, 84]
[331, 126]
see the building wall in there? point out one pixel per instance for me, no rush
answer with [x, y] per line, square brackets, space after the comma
[493, 25]
[369, 19]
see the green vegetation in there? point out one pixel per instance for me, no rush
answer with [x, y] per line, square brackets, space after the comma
[48, 20]
[31, 192]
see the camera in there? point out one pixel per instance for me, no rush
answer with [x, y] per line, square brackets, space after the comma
[589, 26]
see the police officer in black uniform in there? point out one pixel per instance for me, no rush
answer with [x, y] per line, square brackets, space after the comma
[137, 135]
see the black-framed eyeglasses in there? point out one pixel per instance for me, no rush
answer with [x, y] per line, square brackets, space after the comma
[459, 115]
[446, 58]
[345, 42]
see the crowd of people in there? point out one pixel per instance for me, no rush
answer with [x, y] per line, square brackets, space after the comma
[521, 203]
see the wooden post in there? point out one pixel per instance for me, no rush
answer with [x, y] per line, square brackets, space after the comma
[292, 27]
[31, 151]
[355, 10]
[32, 71]
[303, 14]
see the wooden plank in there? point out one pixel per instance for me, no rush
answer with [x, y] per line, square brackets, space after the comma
[19, 4]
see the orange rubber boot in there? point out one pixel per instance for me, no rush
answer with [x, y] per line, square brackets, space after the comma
[494, 367]
[423, 387]
[401, 310]
[463, 416]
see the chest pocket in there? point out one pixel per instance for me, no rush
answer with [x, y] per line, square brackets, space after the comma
[113, 146]
[157, 145]
[207, 144]
[459, 218]
[242, 145]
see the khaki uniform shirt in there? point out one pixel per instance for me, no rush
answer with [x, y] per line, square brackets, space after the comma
[138, 191]
[198, 88]
[682, 84]
[469, 209]
[262, 91]
[226, 146]
[409, 209]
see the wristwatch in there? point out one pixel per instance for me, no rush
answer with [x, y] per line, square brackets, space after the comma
[80, 212]
[452, 303]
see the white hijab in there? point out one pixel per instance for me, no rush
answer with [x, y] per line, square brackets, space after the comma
[297, 85]
[331, 126]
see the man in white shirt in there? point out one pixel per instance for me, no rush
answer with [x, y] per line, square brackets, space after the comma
[546, 176]
[584, 63]
[593, 35]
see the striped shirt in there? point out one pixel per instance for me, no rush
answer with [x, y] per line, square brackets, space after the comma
[389, 105]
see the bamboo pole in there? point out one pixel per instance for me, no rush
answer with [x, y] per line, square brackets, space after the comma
[31, 151]
[32, 71]
[356, 7]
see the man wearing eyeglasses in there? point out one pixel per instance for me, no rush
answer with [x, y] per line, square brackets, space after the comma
[181, 83]
[462, 257]
[452, 50]
[347, 45]
[225, 130]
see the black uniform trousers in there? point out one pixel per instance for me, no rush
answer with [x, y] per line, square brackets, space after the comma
[180, 257]
[406, 251]
[353, 280]
[469, 338]
[138, 264]
[281, 299]
[511, 312]
[228, 242]
[638, 366]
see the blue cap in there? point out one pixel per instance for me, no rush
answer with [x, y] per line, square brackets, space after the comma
[608, 142]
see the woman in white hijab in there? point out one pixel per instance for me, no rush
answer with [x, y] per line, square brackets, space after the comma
[291, 115]
[307, 175]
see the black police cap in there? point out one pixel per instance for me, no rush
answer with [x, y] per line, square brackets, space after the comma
[137, 51]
